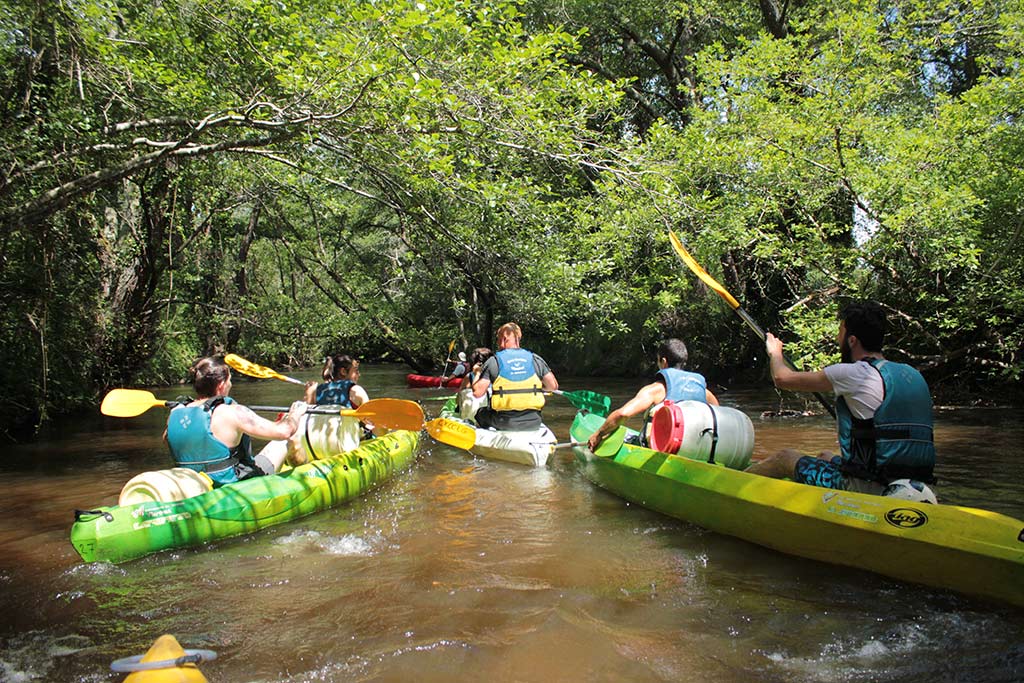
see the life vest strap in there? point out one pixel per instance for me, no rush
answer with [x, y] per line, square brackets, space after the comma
[222, 464]
[502, 392]
[880, 433]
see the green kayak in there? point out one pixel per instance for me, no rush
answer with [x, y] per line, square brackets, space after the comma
[972, 551]
[121, 533]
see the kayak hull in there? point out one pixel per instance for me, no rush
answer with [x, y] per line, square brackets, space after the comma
[972, 551]
[530, 447]
[122, 533]
[427, 381]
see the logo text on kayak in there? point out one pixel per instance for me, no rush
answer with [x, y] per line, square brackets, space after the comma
[906, 518]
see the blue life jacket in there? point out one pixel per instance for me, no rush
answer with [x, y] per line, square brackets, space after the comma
[517, 386]
[680, 385]
[334, 393]
[897, 442]
[194, 446]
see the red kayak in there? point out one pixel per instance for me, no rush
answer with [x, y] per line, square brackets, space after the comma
[423, 381]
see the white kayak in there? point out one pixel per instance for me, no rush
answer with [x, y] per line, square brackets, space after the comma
[526, 447]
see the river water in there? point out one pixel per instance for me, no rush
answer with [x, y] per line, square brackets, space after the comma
[465, 569]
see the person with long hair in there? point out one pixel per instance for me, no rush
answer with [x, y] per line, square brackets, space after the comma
[321, 436]
[212, 433]
[468, 403]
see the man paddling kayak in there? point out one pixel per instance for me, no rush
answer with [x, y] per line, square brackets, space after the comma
[212, 433]
[672, 383]
[517, 379]
[460, 370]
[884, 412]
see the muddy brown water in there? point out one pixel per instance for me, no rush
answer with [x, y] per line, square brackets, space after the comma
[465, 569]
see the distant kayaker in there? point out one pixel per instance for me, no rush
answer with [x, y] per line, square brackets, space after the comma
[461, 368]
[517, 379]
[884, 412]
[212, 433]
[477, 359]
[672, 383]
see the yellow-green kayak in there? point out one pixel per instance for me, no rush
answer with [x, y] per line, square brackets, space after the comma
[972, 551]
[121, 533]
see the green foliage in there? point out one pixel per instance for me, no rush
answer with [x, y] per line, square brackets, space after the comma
[287, 179]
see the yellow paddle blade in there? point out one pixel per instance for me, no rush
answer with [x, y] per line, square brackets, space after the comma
[249, 368]
[393, 413]
[700, 272]
[453, 433]
[128, 402]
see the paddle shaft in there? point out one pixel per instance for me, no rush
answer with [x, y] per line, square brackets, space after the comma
[702, 274]
[752, 324]
[309, 411]
[392, 413]
[447, 359]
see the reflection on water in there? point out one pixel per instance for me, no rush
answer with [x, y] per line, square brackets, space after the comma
[468, 569]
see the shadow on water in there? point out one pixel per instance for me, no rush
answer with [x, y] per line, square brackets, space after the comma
[468, 569]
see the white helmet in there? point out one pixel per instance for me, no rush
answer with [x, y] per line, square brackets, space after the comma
[909, 489]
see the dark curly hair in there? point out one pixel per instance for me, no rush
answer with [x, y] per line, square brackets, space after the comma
[866, 321]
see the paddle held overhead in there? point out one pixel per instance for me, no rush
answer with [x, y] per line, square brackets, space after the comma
[711, 282]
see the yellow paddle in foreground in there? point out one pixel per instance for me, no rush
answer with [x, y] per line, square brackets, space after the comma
[392, 413]
[249, 368]
[711, 282]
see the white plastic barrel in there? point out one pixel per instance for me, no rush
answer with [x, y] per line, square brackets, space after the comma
[688, 428]
[328, 435]
[165, 486]
[469, 404]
